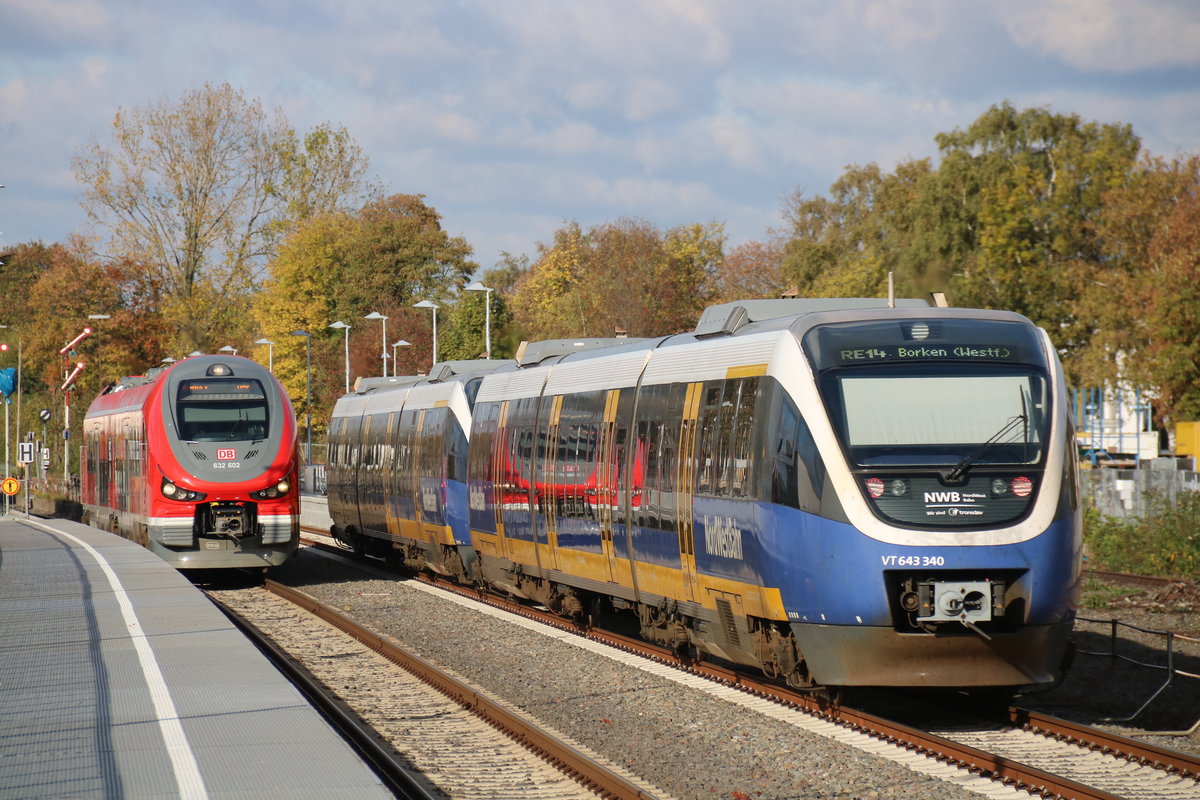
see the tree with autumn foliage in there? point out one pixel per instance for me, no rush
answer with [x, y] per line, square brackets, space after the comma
[200, 190]
[1144, 297]
[58, 287]
[384, 257]
[622, 276]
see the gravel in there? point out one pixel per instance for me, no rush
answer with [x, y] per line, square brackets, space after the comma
[688, 742]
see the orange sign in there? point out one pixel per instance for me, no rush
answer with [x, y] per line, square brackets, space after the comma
[10, 486]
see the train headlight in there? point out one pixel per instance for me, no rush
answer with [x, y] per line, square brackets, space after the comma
[897, 488]
[999, 487]
[173, 492]
[271, 492]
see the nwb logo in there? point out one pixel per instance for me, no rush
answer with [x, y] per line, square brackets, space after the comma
[942, 497]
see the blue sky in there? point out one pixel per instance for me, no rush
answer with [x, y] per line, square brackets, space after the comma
[512, 116]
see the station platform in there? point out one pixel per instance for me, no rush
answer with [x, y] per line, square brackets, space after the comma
[119, 679]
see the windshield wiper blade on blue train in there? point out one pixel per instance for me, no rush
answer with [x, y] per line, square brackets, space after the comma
[956, 473]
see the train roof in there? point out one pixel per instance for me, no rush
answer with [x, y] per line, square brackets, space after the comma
[728, 318]
[724, 319]
[442, 371]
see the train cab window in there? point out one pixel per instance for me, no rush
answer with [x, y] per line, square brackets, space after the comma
[221, 410]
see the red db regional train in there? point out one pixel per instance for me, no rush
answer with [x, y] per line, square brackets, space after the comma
[198, 462]
[837, 492]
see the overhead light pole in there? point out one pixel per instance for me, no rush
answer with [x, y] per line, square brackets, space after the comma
[377, 315]
[228, 349]
[487, 314]
[395, 344]
[270, 352]
[434, 308]
[307, 395]
[339, 325]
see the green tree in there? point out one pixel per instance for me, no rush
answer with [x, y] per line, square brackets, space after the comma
[1008, 219]
[1030, 186]
[845, 245]
[400, 254]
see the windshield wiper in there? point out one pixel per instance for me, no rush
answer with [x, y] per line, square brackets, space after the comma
[956, 473]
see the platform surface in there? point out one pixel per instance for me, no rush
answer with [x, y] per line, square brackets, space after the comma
[119, 679]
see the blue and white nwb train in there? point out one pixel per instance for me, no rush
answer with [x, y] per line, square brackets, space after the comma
[837, 492]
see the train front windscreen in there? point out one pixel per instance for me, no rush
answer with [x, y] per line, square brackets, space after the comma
[943, 422]
[221, 410]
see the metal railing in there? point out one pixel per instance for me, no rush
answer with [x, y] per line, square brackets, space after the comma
[1169, 668]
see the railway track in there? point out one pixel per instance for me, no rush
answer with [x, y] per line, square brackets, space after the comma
[1032, 752]
[427, 733]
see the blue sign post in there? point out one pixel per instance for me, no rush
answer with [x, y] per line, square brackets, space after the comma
[8, 385]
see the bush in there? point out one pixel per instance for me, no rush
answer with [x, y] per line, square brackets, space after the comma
[1165, 542]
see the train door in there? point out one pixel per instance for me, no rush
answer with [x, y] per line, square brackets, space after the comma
[609, 458]
[685, 487]
[497, 476]
[362, 497]
[421, 504]
[516, 475]
[549, 484]
[388, 466]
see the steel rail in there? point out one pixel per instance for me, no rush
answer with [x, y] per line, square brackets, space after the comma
[361, 736]
[579, 765]
[1173, 761]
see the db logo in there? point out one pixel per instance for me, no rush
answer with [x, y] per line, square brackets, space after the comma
[226, 454]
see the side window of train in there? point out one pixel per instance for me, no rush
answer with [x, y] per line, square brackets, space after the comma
[706, 438]
[725, 462]
[798, 473]
[783, 476]
[742, 466]
[471, 390]
[483, 437]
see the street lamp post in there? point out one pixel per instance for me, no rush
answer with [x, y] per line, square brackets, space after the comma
[395, 344]
[228, 349]
[307, 395]
[270, 352]
[427, 304]
[487, 314]
[377, 315]
[339, 325]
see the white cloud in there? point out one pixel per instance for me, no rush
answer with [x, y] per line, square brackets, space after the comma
[1108, 35]
[513, 116]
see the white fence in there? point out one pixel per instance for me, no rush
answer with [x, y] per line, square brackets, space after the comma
[1122, 492]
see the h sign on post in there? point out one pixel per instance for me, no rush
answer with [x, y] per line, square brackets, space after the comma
[25, 452]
